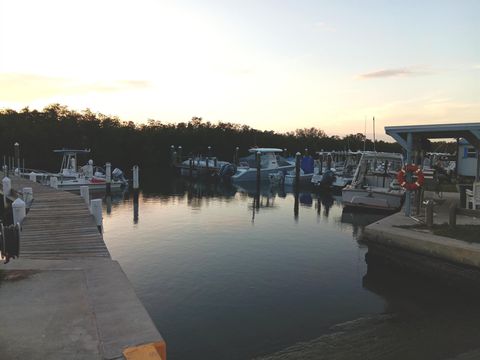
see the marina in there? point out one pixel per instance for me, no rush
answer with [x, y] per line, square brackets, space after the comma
[227, 180]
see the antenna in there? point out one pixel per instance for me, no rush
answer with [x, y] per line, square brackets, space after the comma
[374, 134]
[365, 134]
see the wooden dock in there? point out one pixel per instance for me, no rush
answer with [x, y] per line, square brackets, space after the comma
[58, 224]
[73, 300]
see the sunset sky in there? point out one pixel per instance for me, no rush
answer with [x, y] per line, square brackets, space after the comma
[271, 64]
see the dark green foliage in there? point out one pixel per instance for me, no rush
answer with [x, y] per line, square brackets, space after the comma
[125, 143]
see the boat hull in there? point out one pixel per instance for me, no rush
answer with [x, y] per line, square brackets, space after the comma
[378, 199]
[250, 174]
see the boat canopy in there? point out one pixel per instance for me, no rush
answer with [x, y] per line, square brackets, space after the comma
[71, 151]
[265, 150]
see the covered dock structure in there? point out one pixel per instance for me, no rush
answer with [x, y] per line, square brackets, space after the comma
[412, 137]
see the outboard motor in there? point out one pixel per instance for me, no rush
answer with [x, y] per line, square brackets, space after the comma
[226, 171]
[327, 179]
[117, 175]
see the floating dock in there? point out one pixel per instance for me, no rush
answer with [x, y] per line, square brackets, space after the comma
[65, 297]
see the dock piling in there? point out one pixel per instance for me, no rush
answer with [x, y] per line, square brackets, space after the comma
[429, 213]
[19, 211]
[96, 211]
[85, 194]
[54, 182]
[298, 158]
[136, 181]
[27, 194]
[32, 176]
[452, 215]
[258, 162]
[108, 177]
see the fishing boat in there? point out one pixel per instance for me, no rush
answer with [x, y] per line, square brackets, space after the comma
[70, 177]
[203, 166]
[335, 170]
[270, 162]
[374, 184]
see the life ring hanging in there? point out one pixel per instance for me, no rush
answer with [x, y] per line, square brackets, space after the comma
[415, 171]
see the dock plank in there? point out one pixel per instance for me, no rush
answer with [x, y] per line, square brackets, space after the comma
[58, 224]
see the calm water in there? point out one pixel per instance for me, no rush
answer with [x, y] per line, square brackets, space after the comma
[225, 275]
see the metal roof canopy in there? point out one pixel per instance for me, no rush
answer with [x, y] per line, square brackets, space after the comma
[405, 136]
[468, 131]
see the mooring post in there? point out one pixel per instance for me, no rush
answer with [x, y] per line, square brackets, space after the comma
[32, 176]
[190, 167]
[7, 188]
[96, 211]
[172, 155]
[54, 182]
[17, 156]
[258, 163]
[108, 200]
[429, 213]
[298, 158]
[237, 160]
[27, 194]
[136, 179]
[85, 194]
[19, 211]
[215, 162]
[108, 177]
[320, 165]
[179, 154]
[452, 215]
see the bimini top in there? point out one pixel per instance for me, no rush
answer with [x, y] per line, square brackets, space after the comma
[71, 151]
[265, 150]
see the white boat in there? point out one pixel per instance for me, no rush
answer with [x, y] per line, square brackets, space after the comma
[270, 162]
[71, 178]
[337, 174]
[374, 185]
[200, 166]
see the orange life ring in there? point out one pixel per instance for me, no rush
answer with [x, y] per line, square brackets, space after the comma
[415, 171]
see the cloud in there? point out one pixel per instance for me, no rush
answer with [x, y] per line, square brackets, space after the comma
[397, 72]
[28, 87]
[477, 67]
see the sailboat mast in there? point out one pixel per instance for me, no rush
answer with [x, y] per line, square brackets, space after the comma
[374, 149]
[365, 134]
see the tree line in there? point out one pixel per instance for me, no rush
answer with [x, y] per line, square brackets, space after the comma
[125, 144]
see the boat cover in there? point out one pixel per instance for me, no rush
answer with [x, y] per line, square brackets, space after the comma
[307, 164]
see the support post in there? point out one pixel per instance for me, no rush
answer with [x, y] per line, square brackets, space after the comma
[408, 200]
[54, 182]
[19, 211]
[136, 180]
[190, 167]
[237, 160]
[429, 213]
[27, 195]
[85, 194]
[258, 163]
[108, 177]
[96, 211]
[17, 156]
[298, 158]
[452, 215]
[179, 154]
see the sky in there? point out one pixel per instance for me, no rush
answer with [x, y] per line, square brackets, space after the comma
[271, 64]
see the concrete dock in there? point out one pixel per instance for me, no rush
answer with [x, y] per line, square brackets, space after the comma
[402, 232]
[64, 297]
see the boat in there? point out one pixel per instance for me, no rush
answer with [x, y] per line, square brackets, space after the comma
[307, 170]
[204, 166]
[374, 184]
[70, 177]
[270, 162]
[339, 169]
